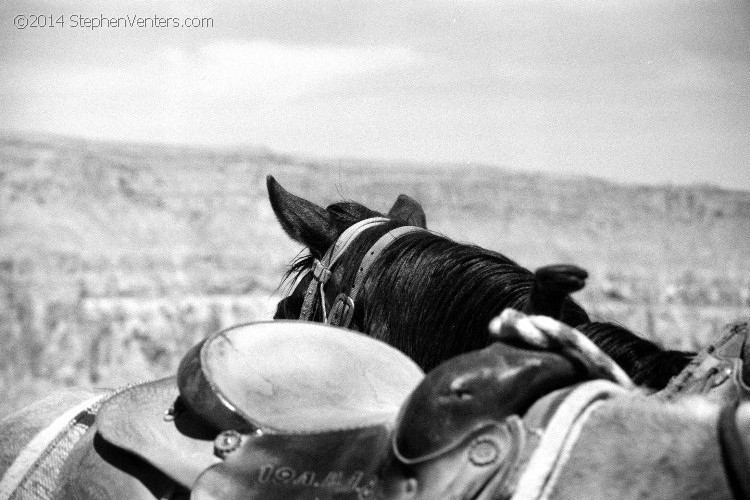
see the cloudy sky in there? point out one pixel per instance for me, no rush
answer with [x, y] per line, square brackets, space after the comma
[646, 91]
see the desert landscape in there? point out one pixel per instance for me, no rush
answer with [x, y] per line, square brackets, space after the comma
[117, 258]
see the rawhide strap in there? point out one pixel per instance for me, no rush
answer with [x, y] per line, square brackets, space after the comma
[321, 270]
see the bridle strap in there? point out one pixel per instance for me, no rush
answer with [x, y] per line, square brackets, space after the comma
[348, 236]
[384, 242]
[321, 270]
[309, 302]
[733, 452]
[343, 308]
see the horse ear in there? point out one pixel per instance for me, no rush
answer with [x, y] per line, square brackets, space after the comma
[304, 221]
[408, 210]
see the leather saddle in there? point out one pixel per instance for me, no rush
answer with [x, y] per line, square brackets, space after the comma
[291, 409]
[281, 409]
[473, 423]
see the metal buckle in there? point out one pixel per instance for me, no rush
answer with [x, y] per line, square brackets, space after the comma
[342, 311]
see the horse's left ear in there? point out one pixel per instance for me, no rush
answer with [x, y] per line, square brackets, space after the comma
[304, 221]
[408, 210]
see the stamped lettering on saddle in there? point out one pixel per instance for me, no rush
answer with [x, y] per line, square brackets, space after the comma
[282, 409]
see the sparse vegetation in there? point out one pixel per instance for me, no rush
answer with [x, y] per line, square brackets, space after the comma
[115, 259]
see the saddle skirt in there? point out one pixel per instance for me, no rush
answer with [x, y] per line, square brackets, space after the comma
[307, 407]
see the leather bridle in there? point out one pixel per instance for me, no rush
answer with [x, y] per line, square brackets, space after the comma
[342, 311]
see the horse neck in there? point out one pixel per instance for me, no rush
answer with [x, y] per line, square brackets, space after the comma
[643, 448]
[433, 298]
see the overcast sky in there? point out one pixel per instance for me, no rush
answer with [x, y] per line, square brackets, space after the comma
[649, 91]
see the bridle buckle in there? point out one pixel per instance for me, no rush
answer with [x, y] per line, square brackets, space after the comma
[342, 311]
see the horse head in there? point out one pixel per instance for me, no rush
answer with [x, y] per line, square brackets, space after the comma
[431, 297]
[318, 229]
[425, 294]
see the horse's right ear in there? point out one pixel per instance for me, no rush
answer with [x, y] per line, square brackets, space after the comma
[408, 210]
[304, 221]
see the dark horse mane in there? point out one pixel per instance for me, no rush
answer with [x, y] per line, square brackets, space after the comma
[433, 298]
